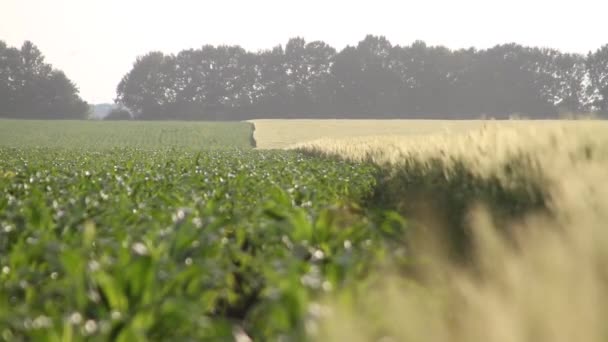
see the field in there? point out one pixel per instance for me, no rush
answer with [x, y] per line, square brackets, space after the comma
[110, 242]
[461, 231]
[511, 222]
[272, 134]
[110, 134]
[283, 133]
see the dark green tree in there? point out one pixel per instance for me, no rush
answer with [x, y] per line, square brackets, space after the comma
[371, 80]
[380, 85]
[307, 69]
[349, 83]
[367, 82]
[559, 77]
[432, 80]
[149, 88]
[118, 114]
[32, 89]
[271, 85]
[214, 83]
[10, 61]
[502, 84]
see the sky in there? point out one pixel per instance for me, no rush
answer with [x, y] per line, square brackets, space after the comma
[95, 42]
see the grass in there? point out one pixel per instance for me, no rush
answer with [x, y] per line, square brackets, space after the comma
[527, 207]
[110, 134]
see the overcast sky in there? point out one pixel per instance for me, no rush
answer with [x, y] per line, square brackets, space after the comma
[96, 41]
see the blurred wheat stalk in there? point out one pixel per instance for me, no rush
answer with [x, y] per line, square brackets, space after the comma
[548, 282]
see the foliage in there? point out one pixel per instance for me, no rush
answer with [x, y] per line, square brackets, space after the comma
[31, 89]
[130, 244]
[118, 114]
[597, 64]
[373, 79]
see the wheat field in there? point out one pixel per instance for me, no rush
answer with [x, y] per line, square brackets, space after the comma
[283, 133]
[545, 280]
[274, 134]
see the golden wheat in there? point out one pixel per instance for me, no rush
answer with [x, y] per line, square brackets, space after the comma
[548, 283]
[271, 134]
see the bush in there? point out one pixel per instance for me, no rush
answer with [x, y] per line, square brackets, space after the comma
[119, 114]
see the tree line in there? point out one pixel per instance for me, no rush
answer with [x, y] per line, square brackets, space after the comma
[373, 79]
[30, 88]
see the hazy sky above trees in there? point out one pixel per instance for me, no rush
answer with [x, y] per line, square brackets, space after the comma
[96, 41]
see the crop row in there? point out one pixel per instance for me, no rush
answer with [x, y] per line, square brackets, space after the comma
[134, 245]
[96, 135]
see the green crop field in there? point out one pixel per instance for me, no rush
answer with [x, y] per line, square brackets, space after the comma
[153, 231]
[154, 242]
[109, 134]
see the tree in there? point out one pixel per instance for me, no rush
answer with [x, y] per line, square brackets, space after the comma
[214, 82]
[432, 80]
[502, 83]
[307, 68]
[597, 68]
[228, 80]
[118, 114]
[373, 79]
[32, 89]
[62, 101]
[149, 88]
[364, 84]
[9, 81]
[558, 77]
[271, 96]
[348, 77]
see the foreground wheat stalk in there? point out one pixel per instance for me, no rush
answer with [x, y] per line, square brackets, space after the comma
[548, 283]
